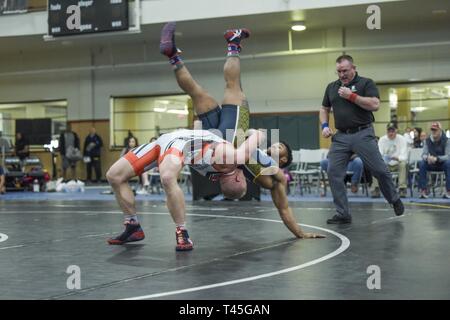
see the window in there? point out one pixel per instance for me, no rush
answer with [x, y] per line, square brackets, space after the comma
[22, 6]
[147, 117]
[14, 113]
[416, 104]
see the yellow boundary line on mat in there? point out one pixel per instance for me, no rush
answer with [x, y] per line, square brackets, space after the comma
[428, 205]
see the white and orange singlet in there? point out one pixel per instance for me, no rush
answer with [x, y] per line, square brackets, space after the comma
[192, 147]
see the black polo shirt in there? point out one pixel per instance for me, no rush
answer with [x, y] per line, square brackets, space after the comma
[347, 114]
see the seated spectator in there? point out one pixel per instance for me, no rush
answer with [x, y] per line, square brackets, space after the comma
[354, 165]
[436, 157]
[127, 138]
[22, 146]
[418, 143]
[423, 136]
[409, 137]
[394, 150]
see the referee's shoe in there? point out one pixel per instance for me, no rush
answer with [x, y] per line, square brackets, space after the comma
[399, 209]
[337, 219]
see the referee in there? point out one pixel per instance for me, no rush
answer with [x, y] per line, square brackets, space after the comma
[353, 99]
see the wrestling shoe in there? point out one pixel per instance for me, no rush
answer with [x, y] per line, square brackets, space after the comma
[133, 232]
[167, 45]
[236, 35]
[183, 241]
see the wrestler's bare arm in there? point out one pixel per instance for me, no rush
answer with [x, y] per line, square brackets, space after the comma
[277, 185]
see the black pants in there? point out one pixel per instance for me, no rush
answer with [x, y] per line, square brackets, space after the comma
[96, 164]
[364, 144]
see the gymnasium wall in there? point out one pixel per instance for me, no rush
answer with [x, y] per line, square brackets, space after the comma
[285, 83]
[88, 72]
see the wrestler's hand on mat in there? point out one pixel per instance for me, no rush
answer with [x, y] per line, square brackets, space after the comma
[310, 235]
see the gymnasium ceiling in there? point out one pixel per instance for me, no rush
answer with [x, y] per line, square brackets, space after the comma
[405, 13]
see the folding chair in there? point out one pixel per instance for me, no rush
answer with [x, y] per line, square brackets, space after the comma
[185, 179]
[309, 171]
[414, 157]
[437, 181]
[296, 167]
[154, 180]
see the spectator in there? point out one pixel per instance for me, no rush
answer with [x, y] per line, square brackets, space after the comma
[394, 121]
[2, 181]
[394, 150]
[132, 143]
[423, 136]
[436, 157]
[22, 147]
[354, 165]
[4, 144]
[92, 148]
[417, 142]
[409, 137]
[69, 147]
[125, 141]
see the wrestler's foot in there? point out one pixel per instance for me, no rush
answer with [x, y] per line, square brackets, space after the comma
[236, 35]
[133, 232]
[183, 241]
[167, 45]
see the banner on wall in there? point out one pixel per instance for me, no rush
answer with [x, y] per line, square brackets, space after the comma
[13, 6]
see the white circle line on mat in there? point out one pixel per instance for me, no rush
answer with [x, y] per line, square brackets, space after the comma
[345, 243]
[3, 237]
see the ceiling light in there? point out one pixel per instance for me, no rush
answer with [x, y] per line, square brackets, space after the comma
[439, 11]
[298, 26]
[418, 109]
[178, 111]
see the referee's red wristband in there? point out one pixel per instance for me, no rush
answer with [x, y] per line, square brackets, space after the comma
[353, 97]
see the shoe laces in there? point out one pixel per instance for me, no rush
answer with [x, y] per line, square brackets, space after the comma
[182, 236]
[236, 34]
[130, 222]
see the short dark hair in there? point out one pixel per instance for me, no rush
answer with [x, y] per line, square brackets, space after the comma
[289, 155]
[344, 57]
